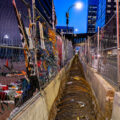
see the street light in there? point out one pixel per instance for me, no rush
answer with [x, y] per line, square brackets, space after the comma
[78, 6]
[6, 36]
[76, 30]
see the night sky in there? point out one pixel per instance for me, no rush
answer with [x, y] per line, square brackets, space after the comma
[78, 18]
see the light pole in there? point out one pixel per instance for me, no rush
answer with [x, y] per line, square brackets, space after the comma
[77, 5]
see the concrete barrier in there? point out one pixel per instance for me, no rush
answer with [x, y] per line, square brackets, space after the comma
[40, 107]
[102, 90]
[116, 107]
[43, 107]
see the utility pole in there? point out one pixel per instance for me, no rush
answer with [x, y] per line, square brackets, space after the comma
[118, 46]
[67, 20]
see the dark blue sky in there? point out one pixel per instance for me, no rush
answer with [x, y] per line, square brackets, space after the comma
[78, 18]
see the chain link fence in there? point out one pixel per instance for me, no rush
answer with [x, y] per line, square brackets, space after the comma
[27, 66]
[100, 52]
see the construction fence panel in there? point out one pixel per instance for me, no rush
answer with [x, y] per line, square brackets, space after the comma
[31, 54]
[100, 51]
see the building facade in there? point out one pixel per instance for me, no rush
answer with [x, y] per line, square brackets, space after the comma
[45, 7]
[92, 13]
[65, 30]
[106, 9]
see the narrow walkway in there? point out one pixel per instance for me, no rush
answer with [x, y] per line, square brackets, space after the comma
[76, 102]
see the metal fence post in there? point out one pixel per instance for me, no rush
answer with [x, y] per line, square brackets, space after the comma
[89, 59]
[98, 48]
[53, 15]
[34, 40]
[85, 50]
[118, 49]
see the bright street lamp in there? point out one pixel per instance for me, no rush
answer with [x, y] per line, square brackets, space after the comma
[6, 36]
[78, 6]
[76, 30]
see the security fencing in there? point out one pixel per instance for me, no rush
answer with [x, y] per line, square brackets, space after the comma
[31, 54]
[100, 51]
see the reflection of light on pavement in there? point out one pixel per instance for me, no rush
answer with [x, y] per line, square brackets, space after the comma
[78, 118]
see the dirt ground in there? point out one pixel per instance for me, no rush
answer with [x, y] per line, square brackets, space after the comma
[76, 102]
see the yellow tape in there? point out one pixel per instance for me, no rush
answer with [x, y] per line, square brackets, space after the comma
[44, 65]
[30, 26]
[37, 18]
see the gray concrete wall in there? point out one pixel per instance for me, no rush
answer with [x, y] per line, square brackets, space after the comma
[35, 111]
[116, 107]
[40, 107]
[103, 91]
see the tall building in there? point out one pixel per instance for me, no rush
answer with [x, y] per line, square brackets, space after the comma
[92, 13]
[106, 9]
[45, 7]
